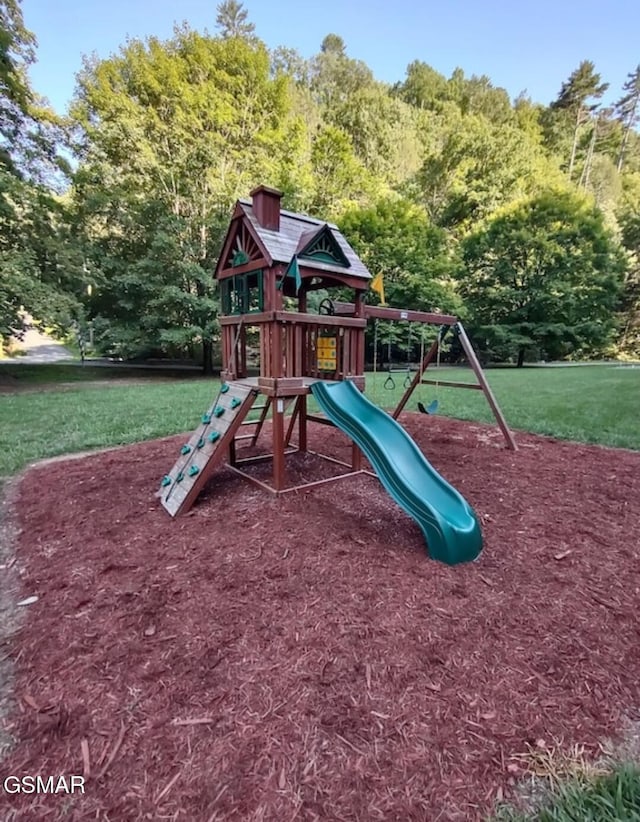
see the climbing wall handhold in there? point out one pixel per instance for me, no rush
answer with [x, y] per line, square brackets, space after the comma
[193, 470]
[235, 402]
[224, 388]
[186, 449]
[206, 419]
[200, 442]
[180, 477]
[218, 411]
[213, 436]
[166, 480]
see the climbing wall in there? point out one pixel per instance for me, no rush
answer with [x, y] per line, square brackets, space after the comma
[207, 447]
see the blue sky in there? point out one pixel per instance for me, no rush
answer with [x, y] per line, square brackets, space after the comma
[520, 44]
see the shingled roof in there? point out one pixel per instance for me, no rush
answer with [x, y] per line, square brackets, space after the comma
[286, 242]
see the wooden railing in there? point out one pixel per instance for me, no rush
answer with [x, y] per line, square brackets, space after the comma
[289, 344]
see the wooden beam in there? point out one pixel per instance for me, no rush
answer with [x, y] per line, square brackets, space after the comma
[254, 480]
[449, 384]
[246, 268]
[320, 319]
[319, 420]
[249, 319]
[330, 459]
[262, 457]
[316, 483]
[380, 312]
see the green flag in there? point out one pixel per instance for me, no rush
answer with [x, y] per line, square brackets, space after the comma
[294, 271]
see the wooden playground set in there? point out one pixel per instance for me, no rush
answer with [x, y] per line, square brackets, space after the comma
[271, 259]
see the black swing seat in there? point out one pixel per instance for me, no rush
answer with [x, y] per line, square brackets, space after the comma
[432, 408]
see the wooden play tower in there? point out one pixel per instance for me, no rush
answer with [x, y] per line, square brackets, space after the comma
[271, 259]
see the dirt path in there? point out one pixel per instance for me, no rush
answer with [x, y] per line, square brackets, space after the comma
[37, 347]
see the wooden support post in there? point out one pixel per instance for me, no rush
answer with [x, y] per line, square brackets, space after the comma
[276, 350]
[263, 416]
[278, 443]
[292, 421]
[242, 353]
[477, 370]
[302, 424]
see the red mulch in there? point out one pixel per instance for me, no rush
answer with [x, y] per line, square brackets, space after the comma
[301, 657]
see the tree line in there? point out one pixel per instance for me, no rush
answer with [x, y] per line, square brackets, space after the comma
[522, 218]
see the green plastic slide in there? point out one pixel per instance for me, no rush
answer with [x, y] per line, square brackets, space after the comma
[448, 522]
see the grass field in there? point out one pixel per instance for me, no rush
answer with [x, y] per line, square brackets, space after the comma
[614, 797]
[60, 414]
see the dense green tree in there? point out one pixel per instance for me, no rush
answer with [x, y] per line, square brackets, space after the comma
[384, 132]
[528, 118]
[291, 63]
[423, 87]
[417, 259]
[480, 96]
[418, 263]
[166, 135]
[544, 277]
[426, 88]
[629, 220]
[334, 76]
[38, 259]
[476, 166]
[17, 52]
[340, 180]
[170, 134]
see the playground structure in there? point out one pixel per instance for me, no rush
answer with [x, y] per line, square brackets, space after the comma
[272, 258]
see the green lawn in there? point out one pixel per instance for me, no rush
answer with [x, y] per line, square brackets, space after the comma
[18, 375]
[597, 404]
[591, 403]
[611, 798]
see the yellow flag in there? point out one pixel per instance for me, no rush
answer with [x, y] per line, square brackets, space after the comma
[377, 285]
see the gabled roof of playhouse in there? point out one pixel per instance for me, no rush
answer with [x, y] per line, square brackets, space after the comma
[297, 233]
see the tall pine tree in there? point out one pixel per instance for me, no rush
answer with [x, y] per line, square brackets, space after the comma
[575, 95]
[628, 110]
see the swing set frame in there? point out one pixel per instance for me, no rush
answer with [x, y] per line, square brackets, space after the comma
[446, 322]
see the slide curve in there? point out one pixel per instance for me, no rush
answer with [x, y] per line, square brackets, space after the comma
[446, 519]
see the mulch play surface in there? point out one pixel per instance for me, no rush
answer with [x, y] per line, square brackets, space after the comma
[300, 657]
